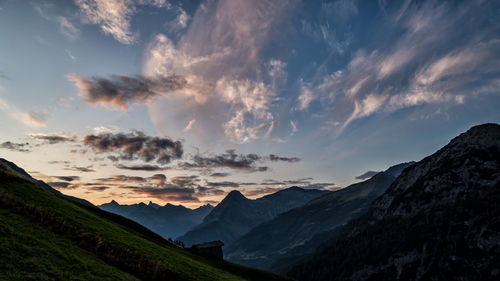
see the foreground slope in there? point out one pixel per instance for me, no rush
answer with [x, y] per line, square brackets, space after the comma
[169, 221]
[236, 214]
[440, 220]
[46, 237]
[280, 242]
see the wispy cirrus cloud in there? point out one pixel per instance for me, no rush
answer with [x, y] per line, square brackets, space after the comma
[112, 16]
[52, 138]
[427, 62]
[67, 28]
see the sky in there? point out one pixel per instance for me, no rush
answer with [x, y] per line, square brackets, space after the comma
[183, 101]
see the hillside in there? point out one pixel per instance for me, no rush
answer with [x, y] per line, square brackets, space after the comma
[236, 214]
[44, 236]
[440, 220]
[280, 242]
[169, 221]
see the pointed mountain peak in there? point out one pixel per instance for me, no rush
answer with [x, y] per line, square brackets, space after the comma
[235, 194]
[112, 202]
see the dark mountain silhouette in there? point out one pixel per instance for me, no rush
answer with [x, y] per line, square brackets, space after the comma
[280, 242]
[169, 221]
[440, 220]
[44, 236]
[236, 214]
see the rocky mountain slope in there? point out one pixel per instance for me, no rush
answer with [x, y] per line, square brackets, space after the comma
[440, 220]
[236, 214]
[280, 242]
[169, 221]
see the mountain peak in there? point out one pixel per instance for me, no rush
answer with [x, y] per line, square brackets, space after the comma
[235, 195]
[480, 135]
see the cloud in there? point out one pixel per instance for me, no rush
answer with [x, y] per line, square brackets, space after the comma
[87, 169]
[33, 118]
[113, 17]
[52, 138]
[189, 125]
[165, 192]
[68, 178]
[221, 57]
[276, 158]
[366, 175]
[59, 162]
[261, 191]
[63, 102]
[305, 183]
[67, 28]
[120, 90]
[143, 167]
[99, 188]
[20, 147]
[209, 191]
[60, 184]
[321, 185]
[224, 184]
[219, 175]
[158, 178]
[180, 22]
[4, 76]
[231, 160]
[425, 62]
[136, 145]
[123, 178]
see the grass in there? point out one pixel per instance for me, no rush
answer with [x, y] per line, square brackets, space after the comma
[46, 237]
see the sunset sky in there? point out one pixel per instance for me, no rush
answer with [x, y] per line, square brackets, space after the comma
[183, 101]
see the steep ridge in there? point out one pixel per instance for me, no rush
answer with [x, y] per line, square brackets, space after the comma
[47, 237]
[169, 221]
[42, 184]
[236, 214]
[280, 242]
[440, 220]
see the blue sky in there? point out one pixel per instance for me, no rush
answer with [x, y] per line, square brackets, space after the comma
[202, 97]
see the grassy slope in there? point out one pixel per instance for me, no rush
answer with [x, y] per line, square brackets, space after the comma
[43, 236]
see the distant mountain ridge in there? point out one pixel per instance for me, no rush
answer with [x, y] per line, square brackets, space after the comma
[169, 221]
[44, 236]
[276, 244]
[236, 214]
[440, 220]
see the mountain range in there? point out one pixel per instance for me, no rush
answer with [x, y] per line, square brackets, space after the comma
[436, 219]
[439, 220]
[236, 214]
[169, 221]
[45, 236]
[280, 242]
